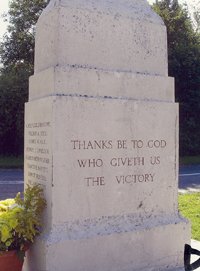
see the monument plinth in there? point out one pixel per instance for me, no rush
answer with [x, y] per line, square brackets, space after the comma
[101, 136]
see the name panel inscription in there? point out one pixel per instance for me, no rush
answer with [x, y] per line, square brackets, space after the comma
[37, 151]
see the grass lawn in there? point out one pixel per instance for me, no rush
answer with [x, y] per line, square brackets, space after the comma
[189, 160]
[189, 206]
[11, 162]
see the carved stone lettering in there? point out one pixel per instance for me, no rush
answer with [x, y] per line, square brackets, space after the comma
[121, 146]
[37, 153]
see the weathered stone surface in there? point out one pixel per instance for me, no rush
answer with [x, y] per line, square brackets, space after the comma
[144, 249]
[101, 136]
[106, 35]
[122, 141]
[98, 83]
[110, 169]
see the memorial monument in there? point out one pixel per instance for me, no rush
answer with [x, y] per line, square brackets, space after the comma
[101, 136]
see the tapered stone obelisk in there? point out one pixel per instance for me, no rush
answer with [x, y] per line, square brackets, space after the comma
[101, 136]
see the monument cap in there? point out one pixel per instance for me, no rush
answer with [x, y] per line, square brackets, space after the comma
[108, 35]
[129, 8]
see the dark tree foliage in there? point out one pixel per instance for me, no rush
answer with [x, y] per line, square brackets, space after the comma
[17, 57]
[13, 94]
[18, 44]
[184, 65]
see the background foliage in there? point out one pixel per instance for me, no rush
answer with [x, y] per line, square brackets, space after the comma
[17, 57]
[184, 65]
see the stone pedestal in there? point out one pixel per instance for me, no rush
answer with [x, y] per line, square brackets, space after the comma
[101, 136]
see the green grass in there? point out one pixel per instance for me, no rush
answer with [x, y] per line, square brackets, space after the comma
[189, 160]
[189, 206]
[11, 162]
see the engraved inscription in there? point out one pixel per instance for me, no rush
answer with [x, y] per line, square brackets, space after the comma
[139, 165]
[128, 161]
[37, 153]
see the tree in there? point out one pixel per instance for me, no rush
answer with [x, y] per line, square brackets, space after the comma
[13, 94]
[17, 57]
[18, 44]
[184, 65]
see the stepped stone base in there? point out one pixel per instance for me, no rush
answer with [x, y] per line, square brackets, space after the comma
[152, 248]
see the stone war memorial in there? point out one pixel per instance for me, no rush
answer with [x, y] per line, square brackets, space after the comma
[101, 136]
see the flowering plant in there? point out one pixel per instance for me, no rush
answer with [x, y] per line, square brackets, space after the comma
[20, 219]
